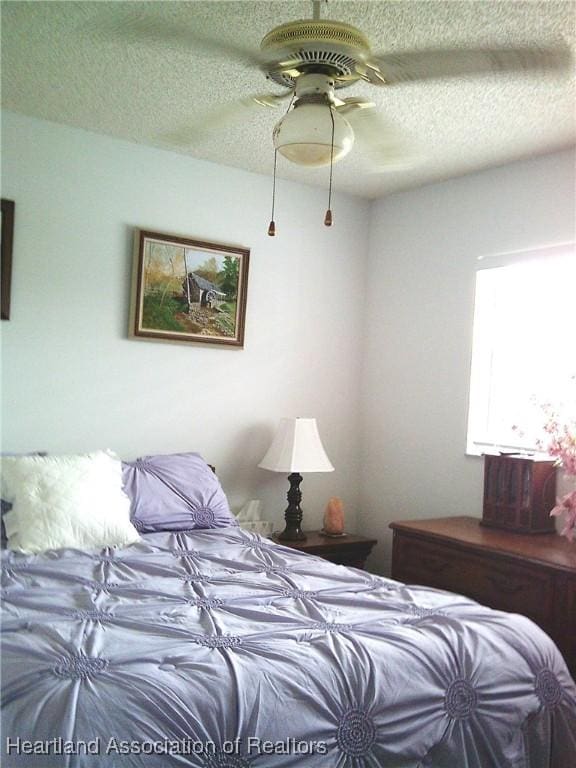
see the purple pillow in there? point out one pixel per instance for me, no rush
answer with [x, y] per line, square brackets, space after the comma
[176, 492]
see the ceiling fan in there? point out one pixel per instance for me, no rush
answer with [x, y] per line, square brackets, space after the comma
[314, 59]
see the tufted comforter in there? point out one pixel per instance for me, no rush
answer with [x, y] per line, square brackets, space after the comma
[217, 648]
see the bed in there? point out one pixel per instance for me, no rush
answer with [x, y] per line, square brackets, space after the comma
[217, 648]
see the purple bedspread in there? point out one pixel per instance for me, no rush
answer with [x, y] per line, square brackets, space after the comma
[220, 649]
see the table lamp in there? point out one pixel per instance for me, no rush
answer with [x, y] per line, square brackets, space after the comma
[296, 448]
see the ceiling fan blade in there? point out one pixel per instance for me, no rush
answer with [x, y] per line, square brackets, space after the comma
[385, 148]
[440, 63]
[268, 99]
[139, 28]
[353, 105]
[201, 127]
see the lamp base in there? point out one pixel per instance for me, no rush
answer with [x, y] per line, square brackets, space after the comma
[293, 513]
[291, 534]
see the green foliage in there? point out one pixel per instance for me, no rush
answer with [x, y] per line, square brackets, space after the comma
[226, 324]
[159, 312]
[229, 282]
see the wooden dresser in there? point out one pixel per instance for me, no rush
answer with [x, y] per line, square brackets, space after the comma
[534, 575]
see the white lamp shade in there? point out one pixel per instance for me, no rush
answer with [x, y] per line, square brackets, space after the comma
[304, 135]
[297, 448]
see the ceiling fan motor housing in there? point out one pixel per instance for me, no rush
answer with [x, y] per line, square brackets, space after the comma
[315, 84]
[330, 47]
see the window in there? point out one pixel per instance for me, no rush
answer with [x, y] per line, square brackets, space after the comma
[524, 346]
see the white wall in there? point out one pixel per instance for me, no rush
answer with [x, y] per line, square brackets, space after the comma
[422, 257]
[73, 381]
[331, 315]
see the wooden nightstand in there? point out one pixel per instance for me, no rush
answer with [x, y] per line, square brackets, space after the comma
[349, 550]
[532, 574]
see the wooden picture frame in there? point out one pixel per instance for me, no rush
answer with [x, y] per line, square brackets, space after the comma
[7, 244]
[188, 290]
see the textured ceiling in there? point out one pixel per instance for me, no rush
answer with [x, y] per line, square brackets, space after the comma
[106, 67]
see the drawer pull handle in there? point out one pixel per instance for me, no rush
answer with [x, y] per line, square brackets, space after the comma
[434, 565]
[503, 586]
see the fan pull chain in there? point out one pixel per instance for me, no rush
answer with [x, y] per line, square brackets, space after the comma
[328, 217]
[272, 225]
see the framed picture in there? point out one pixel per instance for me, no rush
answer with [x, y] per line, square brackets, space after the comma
[188, 290]
[7, 234]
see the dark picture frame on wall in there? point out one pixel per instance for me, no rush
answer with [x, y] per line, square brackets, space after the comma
[6, 248]
[188, 290]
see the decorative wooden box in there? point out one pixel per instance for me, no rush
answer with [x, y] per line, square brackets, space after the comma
[519, 493]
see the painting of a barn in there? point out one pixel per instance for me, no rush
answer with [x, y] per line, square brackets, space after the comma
[189, 291]
[197, 290]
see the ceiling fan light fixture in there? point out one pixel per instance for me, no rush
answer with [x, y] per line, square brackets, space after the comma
[304, 135]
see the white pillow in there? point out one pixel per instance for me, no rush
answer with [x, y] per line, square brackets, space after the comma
[66, 501]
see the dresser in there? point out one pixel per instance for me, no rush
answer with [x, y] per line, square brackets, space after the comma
[534, 575]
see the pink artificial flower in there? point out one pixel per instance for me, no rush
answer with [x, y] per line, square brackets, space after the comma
[567, 506]
[562, 439]
[560, 442]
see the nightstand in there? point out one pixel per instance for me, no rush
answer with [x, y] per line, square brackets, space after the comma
[532, 574]
[351, 550]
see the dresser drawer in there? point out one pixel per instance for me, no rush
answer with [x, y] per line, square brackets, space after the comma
[494, 581]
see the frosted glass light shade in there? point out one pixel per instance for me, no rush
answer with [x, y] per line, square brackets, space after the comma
[304, 135]
[296, 447]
